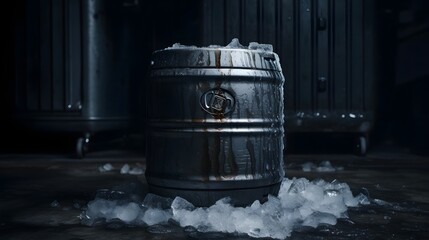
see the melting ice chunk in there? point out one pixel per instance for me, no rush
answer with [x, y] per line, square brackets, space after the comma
[324, 166]
[136, 171]
[261, 46]
[154, 216]
[235, 43]
[55, 204]
[155, 201]
[127, 212]
[181, 46]
[125, 169]
[105, 168]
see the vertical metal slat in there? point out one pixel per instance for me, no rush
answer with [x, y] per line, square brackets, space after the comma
[357, 55]
[339, 44]
[232, 16]
[218, 20]
[322, 48]
[73, 55]
[45, 56]
[250, 24]
[268, 30]
[207, 22]
[305, 56]
[289, 54]
[33, 55]
[369, 50]
[58, 76]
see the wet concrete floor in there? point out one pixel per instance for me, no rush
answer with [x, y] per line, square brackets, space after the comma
[42, 195]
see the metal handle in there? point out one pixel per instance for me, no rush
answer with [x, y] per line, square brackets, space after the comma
[321, 23]
[322, 84]
[217, 102]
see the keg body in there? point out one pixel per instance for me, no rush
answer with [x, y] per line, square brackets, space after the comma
[215, 125]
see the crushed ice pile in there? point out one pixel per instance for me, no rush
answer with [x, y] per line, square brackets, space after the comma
[105, 167]
[299, 203]
[324, 166]
[235, 43]
[138, 169]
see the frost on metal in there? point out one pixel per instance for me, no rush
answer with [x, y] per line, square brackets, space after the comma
[181, 46]
[234, 44]
[261, 46]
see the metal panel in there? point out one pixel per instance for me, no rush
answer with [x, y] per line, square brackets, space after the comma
[322, 56]
[288, 39]
[73, 68]
[58, 87]
[60, 45]
[76, 67]
[31, 80]
[51, 61]
[357, 64]
[304, 61]
[45, 55]
[339, 38]
[249, 20]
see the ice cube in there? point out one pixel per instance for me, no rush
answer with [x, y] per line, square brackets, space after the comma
[235, 43]
[99, 209]
[125, 169]
[127, 212]
[154, 216]
[251, 224]
[181, 46]
[298, 185]
[362, 199]
[195, 218]
[325, 166]
[218, 217]
[155, 201]
[313, 193]
[308, 167]
[181, 204]
[55, 204]
[260, 46]
[105, 168]
[136, 171]
[255, 205]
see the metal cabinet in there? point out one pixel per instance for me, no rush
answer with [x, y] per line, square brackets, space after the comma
[75, 67]
[327, 49]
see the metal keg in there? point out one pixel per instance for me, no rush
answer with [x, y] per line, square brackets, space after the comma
[215, 124]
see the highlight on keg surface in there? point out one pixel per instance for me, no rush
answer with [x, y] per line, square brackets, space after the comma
[215, 123]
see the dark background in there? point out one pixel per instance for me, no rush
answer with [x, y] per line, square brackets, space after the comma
[402, 105]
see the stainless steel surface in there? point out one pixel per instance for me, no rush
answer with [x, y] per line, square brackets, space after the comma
[215, 123]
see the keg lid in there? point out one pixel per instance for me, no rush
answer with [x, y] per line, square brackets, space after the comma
[234, 55]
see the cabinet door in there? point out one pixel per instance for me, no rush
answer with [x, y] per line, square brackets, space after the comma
[48, 59]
